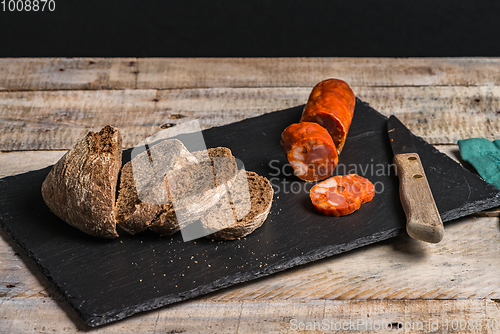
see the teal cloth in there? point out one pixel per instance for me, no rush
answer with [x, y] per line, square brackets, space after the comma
[484, 155]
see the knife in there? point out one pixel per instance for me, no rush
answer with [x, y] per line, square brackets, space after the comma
[422, 216]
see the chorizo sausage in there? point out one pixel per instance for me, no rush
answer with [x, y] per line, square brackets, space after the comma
[341, 195]
[310, 150]
[331, 104]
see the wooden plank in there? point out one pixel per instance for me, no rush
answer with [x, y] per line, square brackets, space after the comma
[43, 315]
[51, 120]
[24, 161]
[441, 115]
[162, 73]
[167, 73]
[58, 119]
[19, 74]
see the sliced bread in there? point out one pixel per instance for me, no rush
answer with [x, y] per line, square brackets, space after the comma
[153, 209]
[133, 215]
[261, 197]
[195, 184]
[81, 187]
[143, 194]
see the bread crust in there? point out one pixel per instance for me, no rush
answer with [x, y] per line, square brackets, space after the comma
[81, 187]
[261, 196]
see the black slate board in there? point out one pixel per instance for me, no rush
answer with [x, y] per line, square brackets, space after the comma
[107, 280]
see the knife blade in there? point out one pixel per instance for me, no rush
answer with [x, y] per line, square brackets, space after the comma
[423, 221]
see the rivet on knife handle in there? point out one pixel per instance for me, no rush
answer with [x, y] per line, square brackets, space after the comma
[422, 216]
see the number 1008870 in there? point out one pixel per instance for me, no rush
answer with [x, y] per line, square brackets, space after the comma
[28, 5]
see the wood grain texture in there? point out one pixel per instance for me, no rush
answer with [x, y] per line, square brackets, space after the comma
[166, 73]
[52, 120]
[306, 72]
[19, 74]
[423, 220]
[267, 317]
[24, 161]
[441, 115]
[57, 120]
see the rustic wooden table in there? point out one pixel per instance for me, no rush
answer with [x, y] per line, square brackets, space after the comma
[46, 105]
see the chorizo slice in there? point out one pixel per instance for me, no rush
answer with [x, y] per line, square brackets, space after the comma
[310, 150]
[341, 195]
[331, 104]
[364, 186]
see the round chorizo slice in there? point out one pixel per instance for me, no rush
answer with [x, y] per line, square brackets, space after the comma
[310, 150]
[341, 195]
[331, 104]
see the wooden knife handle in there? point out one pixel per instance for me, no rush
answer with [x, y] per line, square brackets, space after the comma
[422, 216]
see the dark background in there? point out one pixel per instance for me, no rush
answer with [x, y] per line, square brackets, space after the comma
[245, 28]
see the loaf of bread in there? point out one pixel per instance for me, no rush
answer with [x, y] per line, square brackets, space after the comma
[81, 187]
[156, 187]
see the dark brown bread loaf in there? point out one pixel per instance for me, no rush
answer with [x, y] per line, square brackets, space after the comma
[261, 197]
[81, 187]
